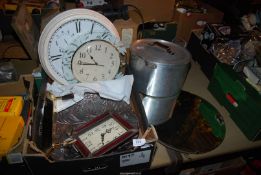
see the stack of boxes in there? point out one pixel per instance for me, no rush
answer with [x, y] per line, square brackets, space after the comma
[11, 122]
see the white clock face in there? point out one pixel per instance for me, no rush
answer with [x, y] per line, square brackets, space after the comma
[95, 61]
[65, 33]
[102, 134]
[67, 58]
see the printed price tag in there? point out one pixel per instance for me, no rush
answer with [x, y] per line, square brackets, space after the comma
[135, 158]
[138, 142]
[14, 158]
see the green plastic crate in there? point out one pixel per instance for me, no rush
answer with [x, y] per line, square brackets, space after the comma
[247, 115]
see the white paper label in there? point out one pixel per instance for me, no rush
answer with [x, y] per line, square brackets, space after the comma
[126, 36]
[135, 158]
[138, 142]
[14, 158]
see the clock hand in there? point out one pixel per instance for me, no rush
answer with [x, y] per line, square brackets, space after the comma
[95, 63]
[83, 63]
[102, 137]
[103, 134]
[91, 64]
[94, 60]
[98, 64]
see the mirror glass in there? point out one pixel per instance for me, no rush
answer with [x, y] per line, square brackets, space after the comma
[195, 126]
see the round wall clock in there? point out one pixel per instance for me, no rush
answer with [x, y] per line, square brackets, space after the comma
[67, 58]
[65, 33]
[95, 60]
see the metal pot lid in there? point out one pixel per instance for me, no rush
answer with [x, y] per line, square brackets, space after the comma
[160, 51]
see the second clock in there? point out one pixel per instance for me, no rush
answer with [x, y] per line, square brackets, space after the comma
[95, 60]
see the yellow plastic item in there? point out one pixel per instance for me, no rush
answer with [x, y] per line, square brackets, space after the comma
[30, 6]
[11, 129]
[11, 105]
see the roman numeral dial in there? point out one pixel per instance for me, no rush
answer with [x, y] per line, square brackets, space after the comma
[63, 36]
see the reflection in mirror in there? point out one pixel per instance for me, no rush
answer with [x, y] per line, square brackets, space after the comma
[195, 127]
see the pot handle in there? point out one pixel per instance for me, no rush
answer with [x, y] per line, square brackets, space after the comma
[163, 46]
[150, 65]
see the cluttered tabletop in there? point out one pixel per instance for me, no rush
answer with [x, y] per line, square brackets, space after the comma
[99, 98]
[233, 141]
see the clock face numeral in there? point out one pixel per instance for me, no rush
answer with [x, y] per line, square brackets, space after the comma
[104, 35]
[83, 54]
[89, 50]
[81, 71]
[91, 31]
[98, 47]
[100, 64]
[87, 76]
[78, 26]
[65, 41]
[55, 57]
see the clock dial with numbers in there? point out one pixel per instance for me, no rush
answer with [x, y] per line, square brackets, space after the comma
[96, 60]
[67, 58]
[60, 38]
[102, 134]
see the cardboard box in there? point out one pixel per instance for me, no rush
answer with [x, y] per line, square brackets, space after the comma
[36, 159]
[152, 10]
[11, 70]
[23, 55]
[134, 161]
[128, 30]
[12, 49]
[29, 156]
[13, 162]
[126, 161]
[11, 131]
[27, 31]
[18, 87]
[206, 60]
[188, 21]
